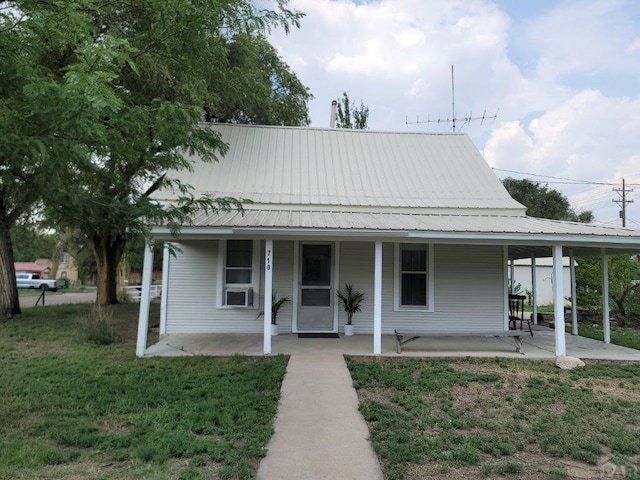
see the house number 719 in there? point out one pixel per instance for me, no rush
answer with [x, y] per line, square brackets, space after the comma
[268, 259]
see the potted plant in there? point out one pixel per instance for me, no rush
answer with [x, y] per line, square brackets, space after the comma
[351, 301]
[276, 305]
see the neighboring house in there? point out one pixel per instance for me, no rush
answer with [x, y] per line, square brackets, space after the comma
[418, 222]
[66, 267]
[544, 278]
[32, 267]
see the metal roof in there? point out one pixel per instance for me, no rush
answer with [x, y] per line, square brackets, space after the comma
[343, 182]
[298, 167]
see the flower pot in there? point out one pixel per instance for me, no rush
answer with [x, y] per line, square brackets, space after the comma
[348, 330]
[274, 329]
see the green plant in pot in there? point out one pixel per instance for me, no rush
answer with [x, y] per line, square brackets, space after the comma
[351, 301]
[276, 305]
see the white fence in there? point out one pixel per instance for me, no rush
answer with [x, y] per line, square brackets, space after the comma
[135, 292]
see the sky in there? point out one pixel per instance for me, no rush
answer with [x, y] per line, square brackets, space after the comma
[561, 78]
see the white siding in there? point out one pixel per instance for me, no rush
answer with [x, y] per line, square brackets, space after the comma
[356, 268]
[468, 295]
[191, 306]
[283, 281]
[469, 289]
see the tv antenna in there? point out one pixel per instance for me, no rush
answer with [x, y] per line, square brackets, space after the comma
[465, 120]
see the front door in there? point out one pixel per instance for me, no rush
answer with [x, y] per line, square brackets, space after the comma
[315, 310]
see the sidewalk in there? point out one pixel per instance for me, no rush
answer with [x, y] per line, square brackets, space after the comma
[319, 433]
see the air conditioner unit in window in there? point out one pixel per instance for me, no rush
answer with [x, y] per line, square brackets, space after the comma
[239, 297]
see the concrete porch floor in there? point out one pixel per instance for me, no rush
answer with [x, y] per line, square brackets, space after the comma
[540, 346]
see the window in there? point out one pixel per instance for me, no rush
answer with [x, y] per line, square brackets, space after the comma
[413, 277]
[65, 258]
[238, 273]
[238, 266]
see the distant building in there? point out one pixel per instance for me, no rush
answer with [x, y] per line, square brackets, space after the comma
[32, 267]
[544, 278]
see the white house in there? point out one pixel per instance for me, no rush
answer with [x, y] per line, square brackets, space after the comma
[418, 222]
[543, 276]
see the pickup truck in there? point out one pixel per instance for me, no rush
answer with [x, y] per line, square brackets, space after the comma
[33, 280]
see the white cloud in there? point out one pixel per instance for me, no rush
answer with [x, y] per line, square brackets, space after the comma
[564, 80]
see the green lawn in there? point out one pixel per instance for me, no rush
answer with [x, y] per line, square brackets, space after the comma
[626, 337]
[70, 409]
[485, 418]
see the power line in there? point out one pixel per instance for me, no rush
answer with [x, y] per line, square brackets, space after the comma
[566, 181]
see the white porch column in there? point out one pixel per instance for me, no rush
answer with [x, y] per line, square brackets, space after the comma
[534, 290]
[268, 291]
[145, 299]
[377, 300]
[558, 301]
[574, 298]
[165, 289]
[606, 325]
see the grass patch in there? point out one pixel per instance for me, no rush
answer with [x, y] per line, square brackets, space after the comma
[623, 336]
[479, 418]
[69, 407]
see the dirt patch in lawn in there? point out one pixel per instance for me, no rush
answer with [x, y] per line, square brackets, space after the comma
[486, 418]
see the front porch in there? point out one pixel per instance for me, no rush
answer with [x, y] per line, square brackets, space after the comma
[540, 347]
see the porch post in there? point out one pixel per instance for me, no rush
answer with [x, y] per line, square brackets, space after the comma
[145, 298]
[574, 298]
[558, 301]
[512, 271]
[534, 290]
[377, 300]
[268, 290]
[165, 289]
[606, 326]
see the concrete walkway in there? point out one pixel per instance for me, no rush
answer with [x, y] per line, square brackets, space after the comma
[319, 433]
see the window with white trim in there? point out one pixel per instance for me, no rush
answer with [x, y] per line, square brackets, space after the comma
[240, 273]
[413, 282]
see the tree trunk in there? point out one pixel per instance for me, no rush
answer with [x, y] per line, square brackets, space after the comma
[9, 301]
[108, 252]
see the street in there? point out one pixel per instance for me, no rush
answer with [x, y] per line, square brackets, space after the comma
[58, 298]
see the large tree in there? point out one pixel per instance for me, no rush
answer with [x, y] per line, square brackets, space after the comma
[543, 202]
[188, 59]
[352, 117]
[47, 114]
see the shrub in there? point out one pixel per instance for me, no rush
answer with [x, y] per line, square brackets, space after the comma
[98, 325]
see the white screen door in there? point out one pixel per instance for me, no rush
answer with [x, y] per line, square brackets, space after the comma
[315, 310]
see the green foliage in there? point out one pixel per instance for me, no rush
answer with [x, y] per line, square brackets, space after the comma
[98, 111]
[463, 414]
[260, 88]
[624, 272]
[29, 244]
[276, 305]
[352, 117]
[351, 300]
[543, 202]
[65, 402]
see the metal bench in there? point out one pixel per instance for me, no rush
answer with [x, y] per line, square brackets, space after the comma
[405, 336]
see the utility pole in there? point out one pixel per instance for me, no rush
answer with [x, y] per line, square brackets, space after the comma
[623, 201]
